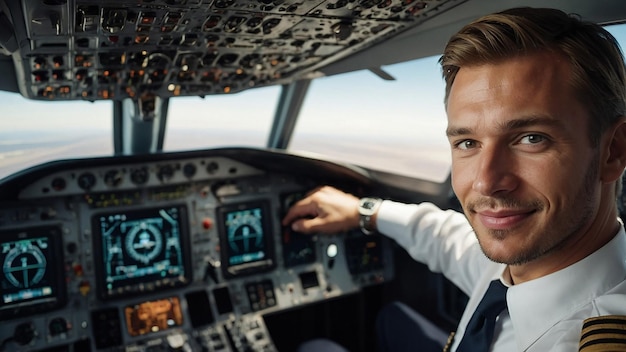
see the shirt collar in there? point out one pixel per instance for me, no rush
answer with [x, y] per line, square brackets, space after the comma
[537, 305]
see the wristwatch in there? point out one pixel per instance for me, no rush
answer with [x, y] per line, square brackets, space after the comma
[367, 208]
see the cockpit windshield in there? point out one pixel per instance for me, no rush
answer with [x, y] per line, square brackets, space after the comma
[394, 125]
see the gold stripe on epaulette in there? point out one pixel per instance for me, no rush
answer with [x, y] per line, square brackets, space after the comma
[448, 345]
[603, 334]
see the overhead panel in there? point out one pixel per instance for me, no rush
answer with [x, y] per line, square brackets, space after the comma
[94, 50]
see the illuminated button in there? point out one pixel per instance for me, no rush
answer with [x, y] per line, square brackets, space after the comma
[331, 250]
[78, 270]
[147, 18]
[207, 223]
[57, 61]
[39, 63]
[175, 341]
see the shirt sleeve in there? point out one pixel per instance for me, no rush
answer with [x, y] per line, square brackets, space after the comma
[441, 239]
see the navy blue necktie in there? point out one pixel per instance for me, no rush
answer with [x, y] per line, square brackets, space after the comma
[479, 331]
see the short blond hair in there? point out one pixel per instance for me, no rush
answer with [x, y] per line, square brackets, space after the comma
[597, 62]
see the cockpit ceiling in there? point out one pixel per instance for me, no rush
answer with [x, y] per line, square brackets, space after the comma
[95, 50]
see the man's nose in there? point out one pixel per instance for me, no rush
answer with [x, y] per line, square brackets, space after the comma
[495, 171]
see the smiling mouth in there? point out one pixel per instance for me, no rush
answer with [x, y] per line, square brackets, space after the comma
[504, 219]
[503, 213]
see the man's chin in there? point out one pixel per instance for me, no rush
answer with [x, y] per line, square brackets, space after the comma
[510, 257]
[498, 250]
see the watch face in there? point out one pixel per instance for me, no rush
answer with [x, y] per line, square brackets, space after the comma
[368, 206]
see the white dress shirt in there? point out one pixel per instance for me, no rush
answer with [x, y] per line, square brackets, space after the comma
[544, 314]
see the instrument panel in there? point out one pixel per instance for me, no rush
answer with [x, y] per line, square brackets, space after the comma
[182, 253]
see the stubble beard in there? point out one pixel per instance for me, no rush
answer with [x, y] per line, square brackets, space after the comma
[563, 229]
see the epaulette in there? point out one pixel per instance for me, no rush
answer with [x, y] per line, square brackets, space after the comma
[603, 334]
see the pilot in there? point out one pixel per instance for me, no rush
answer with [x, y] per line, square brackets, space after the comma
[536, 111]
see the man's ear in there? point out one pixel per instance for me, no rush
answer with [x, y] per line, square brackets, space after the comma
[614, 160]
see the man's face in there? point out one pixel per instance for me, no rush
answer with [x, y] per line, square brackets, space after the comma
[522, 162]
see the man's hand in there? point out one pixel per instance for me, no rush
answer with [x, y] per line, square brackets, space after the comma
[326, 210]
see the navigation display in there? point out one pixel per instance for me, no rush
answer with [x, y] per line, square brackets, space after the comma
[246, 239]
[32, 271]
[141, 251]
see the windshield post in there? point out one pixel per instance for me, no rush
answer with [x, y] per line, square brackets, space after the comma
[287, 111]
[139, 125]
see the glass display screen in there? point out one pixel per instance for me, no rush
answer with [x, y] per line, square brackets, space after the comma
[153, 316]
[32, 271]
[141, 251]
[246, 239]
